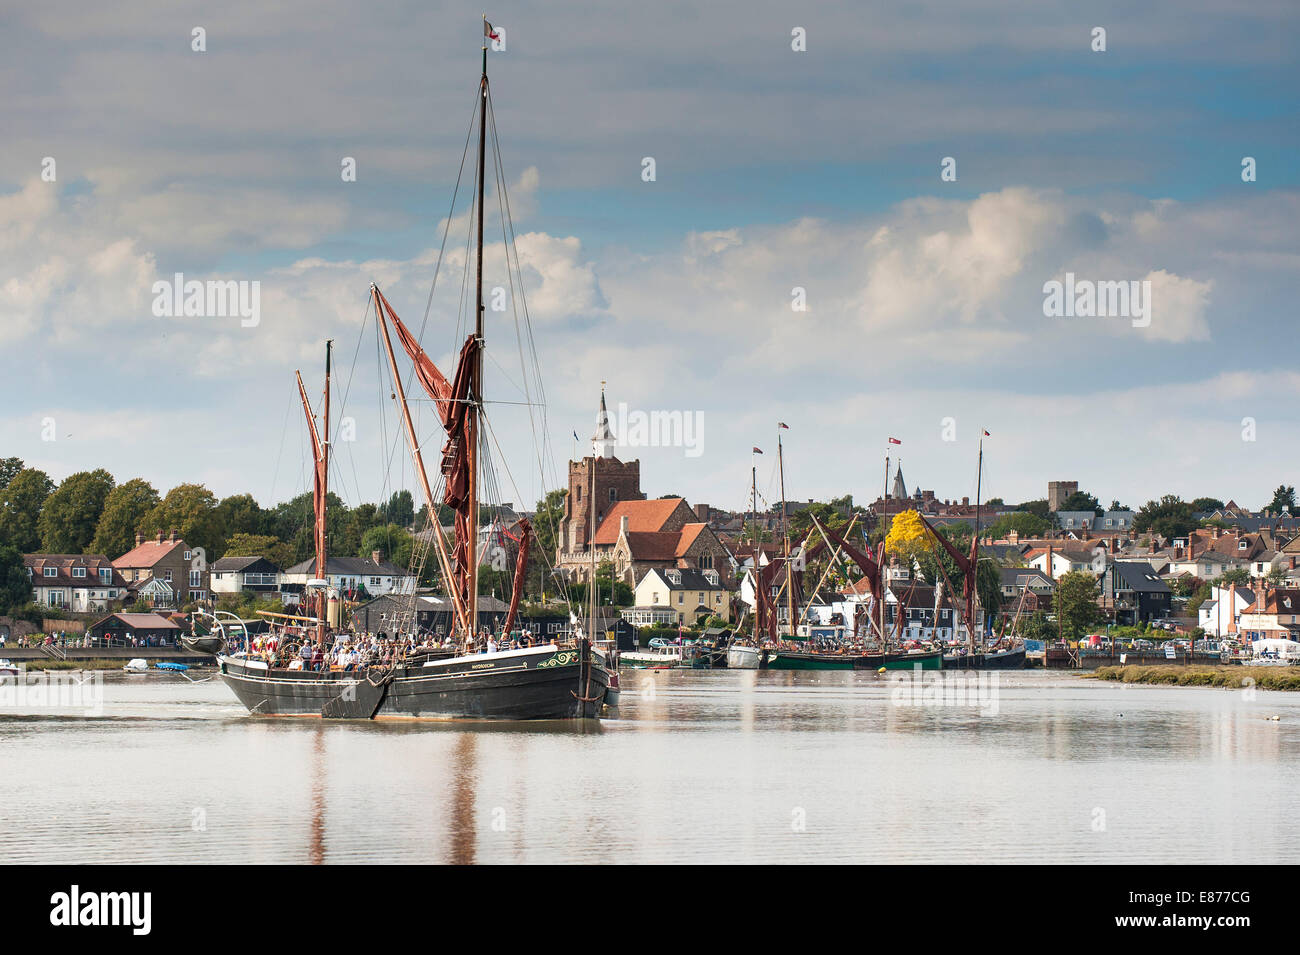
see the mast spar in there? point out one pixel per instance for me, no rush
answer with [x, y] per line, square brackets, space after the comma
[476, 383]
[320, 440]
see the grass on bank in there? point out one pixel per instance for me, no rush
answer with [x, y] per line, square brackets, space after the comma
[1266, 678]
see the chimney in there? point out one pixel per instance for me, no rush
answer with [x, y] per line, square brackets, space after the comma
[374, 556]
[161, 537]
[139, 539]
[1049, 562]
[1232, 608]
[622, 524]
[174, 536]
[1292, 567]
[965, 502]
[1191, 546]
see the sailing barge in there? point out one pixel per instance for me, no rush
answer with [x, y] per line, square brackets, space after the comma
[550, 681]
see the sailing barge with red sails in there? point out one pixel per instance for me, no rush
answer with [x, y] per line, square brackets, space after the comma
[467, 676]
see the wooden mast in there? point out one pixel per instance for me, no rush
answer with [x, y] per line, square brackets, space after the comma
[975, 548]
[399, 394]
[320, 440]
[785, 534]
[476, 383]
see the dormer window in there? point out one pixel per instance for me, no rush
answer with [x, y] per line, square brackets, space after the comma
[51, 572]
[674, 576]
[106, 574]
[711, 576]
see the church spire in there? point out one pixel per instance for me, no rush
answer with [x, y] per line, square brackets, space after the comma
[603, 441]
[899, 490]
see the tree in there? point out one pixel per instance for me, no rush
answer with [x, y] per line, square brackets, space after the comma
[1237, 576]
[1117, 506]
[1022, 522]
[71, 513]
[261, 545]
[1283, 497]
[1169, 517]
[9, 468]
[1081, 501]
[189, 509]
[15, 587]
[908, 538]
[400, 508]
[1075, 604]
[1207, 504]
[393, 542]
[124, 509]
[238, 514]
[20, 509]
[1038, 508]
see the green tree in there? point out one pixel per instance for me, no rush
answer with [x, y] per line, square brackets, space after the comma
[393, 542]
[1081, 501]
[71, 513]
[261, 545]
[1206, 504]
[1076, 604]
[189, 509]
[15, 587]
[1038, 508]
[400, 508]
[238, 514]
[1169, 517]
[1022, 522]
[9, 468]
[124, 509]
[1283, 497]
[1238, 576]
[20, 509]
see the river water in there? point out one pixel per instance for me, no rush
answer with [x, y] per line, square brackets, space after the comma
[699, 766]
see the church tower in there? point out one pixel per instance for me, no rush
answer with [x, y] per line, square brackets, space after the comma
[899, 490]
[614, 481]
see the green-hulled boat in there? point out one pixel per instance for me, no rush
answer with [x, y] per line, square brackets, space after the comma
[812, 660]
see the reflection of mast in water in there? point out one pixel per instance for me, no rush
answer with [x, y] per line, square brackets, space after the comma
[462, 803]
[316, 844]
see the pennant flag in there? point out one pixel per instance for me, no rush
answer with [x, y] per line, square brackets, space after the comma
[782, 424]
[489, 31]
[575, 436]
[987, 435]
[894, 441]
[758, 450]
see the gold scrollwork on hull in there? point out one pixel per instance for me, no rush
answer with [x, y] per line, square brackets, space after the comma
[563, 658]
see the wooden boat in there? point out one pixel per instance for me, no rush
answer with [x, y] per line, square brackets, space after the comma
[1008, 659]
[556, 681]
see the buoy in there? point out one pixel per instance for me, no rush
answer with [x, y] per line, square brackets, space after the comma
[881, 670]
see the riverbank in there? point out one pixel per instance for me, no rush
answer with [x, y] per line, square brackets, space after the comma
[1266, 678]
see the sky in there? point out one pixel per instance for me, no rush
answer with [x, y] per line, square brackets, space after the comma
[775, 169]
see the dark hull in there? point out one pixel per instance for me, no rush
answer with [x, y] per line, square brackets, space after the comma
[996, 660]
[809, 660]
[537, 686]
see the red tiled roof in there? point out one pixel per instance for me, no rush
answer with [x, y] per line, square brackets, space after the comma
[653, 546]
[147, 554]
[688, 537]
[642, 516]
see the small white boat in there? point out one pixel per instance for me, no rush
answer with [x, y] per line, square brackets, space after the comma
[1274, 653]
[138, 665]
[7, 668]
[743, 657]
[669, 655]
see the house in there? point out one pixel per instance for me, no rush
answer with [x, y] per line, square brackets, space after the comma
[1135, 593]
[393, 613]
[164, 571]
[354, 577]
[1274, 614]
[922, 620]
[691, 594]
[1208, 565]
[231, 575]
[1221, 614]
[1026, 584]
[135, 629]
[76, 582]
[1056, 562]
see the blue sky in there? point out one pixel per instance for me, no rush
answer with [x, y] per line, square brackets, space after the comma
[775, 169]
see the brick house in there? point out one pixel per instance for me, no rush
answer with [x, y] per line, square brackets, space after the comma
[164, 571]
[77, 582]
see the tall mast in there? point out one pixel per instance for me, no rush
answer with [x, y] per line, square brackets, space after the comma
[321, 440]
[785, 536]
[975, 544]
[884, 575]
[476, 386]
[591, 508]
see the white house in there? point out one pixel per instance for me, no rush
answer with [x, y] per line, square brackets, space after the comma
[78, 582]
[1056, 562]
[230, 575]
[690, 594]
[352, 575]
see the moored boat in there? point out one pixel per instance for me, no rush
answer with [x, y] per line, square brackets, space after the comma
[743, 656]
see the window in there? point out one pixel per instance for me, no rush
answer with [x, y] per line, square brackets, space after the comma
[51, 572]
[78, 571]
[681, 598]
[654, 598]
[187, 555]
[196, 578]
[578, 496]
[106, 575]
[613, 494]
[167, 576]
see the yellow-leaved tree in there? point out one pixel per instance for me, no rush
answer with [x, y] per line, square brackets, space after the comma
[908, 538]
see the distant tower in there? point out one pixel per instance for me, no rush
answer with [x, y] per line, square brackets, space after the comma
[1058, 492]
[899, 490]
[615, 481]
[603, 441]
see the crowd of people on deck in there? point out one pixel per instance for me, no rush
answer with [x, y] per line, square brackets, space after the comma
[298, 649]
